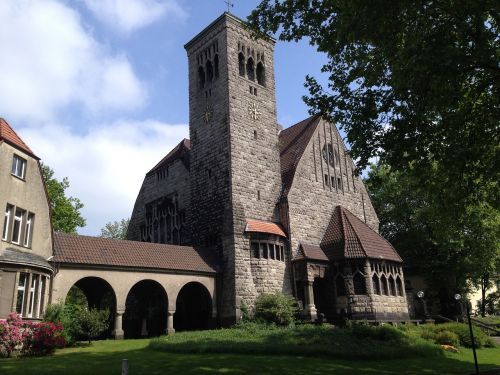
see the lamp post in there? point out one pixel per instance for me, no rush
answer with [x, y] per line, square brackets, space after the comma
[457, 298]
[420, 295]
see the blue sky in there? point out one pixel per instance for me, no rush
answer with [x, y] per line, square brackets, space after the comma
[99, 88]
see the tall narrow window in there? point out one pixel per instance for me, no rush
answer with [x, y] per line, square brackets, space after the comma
[255, 249]
[241, 64]
[28, 229]
[216, 66]
[6, 222]
[383, 286]
[375, 284]
[261, 76]
[21, 287]
[359, 284]
[32, 295]
[18, 166]
[41, 291]
[210, 71]
[250, 70]
[201, 77]
[16, 230]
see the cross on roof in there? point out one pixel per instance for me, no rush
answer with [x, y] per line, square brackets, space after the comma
[229, 5]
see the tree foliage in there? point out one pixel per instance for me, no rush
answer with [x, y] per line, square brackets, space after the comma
[66, 216]
[116, 229]
[90, 323]
[277, 308]
[453, 244]
[410, 82]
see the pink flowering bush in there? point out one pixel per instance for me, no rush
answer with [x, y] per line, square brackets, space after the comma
[31, 338]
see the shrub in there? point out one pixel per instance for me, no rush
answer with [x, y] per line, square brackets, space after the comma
[90, 323]
[11, 334]
[383, 333]
[276, 308]
[42, 338]
[65, 315]
[446, 337]
[430, 332]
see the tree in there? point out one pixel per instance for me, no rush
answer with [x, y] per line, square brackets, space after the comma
[116, 229]
[90, 323]
[66, 216]
[410, 82]
[452, 244]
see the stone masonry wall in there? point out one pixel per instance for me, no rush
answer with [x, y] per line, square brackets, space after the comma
[177, 182]
[312, 201]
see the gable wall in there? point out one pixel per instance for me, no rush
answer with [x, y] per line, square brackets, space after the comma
[311, 200]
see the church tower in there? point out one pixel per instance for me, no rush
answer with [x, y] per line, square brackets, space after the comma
[235, 165]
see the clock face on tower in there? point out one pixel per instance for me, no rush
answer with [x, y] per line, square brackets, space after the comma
[253, 110]
[208, 114]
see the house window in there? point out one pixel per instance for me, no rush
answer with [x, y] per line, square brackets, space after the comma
[21, 287]
[6, 222]
[16, 230]
[28, 229]
[18, 166]
[32, 295]
[267, 249]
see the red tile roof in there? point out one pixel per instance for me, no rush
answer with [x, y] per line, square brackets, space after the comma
[311, 252]
[181, 151]
[264, 227]
[293, 142]
[8, 135]
[74, 249]
[347, 237]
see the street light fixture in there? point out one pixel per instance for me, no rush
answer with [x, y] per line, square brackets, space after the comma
[420, 295]
[457, 298]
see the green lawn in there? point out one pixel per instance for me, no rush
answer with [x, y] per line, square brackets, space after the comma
[104, 357]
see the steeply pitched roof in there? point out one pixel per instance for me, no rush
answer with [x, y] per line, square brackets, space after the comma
[293, 142]
[264, 227]
[74, 249]
[347, 237]
[8, 135]
[181, 151]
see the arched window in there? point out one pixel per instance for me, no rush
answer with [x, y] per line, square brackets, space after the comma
[399, 287]
[383, 286]
[216, 66]
[201, 77]
[250, 70]
[376, 284]
[241, 64]
[392, 286]
[261, 76]
[340, 286]
[359, 283]
[210, 71]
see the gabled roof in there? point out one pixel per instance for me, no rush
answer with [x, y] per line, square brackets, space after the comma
[264, 227]
[181, 151]
[347, 237]
[293, 142]
[8, 135]
[311, 252]
[98, 251]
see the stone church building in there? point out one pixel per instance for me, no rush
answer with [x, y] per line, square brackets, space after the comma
[243, 207]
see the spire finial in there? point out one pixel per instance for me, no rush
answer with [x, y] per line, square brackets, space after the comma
[229, 5]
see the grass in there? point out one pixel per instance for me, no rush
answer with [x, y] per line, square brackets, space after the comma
[147, 357]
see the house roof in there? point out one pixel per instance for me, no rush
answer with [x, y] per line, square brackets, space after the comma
[311, 252]
[264, 227]
[8, 135]
[75, 249]
[18, 257]
[347, 237]
[293, 142]
[181, 151]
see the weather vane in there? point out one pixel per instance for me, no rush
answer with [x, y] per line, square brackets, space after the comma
[229, 5]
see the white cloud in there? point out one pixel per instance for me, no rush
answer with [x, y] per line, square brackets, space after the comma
[49, 60]
[126, 16]
[105, 166]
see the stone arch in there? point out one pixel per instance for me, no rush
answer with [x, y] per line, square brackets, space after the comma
[359, 283]
[376, 284]
[241, 64]
[146, 310]
[99, 294]
[216, 66]
[250, 69]
[210, 71]
[201, 77]
[193, 307]
[261, 74]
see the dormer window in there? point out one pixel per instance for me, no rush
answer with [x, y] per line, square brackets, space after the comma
[18, 166]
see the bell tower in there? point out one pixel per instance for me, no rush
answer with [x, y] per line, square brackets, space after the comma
[235, 165]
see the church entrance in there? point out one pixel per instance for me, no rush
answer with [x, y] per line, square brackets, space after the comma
[145, 310]
[320, 290]
[193, 308]
[94, 293]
